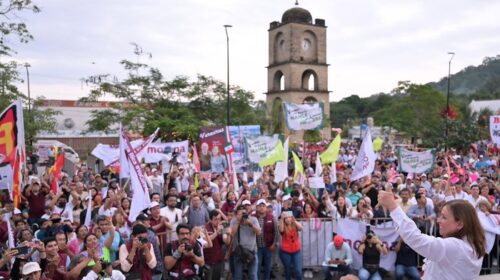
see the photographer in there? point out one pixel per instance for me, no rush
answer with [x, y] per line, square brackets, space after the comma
[371, 248]
[182, 255]
[136, 256]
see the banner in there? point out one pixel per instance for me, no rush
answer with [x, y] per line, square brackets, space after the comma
[365, 162]
[212, 155]
[353, 232]
[281, 168]
[12, 150]
[495, 129]
[257, 148]
[303, 116]
[415, 162]
[238, 135]
[277, 154]
[156, 152]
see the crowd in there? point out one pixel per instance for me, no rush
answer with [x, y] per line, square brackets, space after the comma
[210, 229]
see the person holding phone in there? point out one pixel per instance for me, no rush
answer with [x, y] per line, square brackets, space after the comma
[463, 238]
[338, 257]
[137, 257]
[371, 248]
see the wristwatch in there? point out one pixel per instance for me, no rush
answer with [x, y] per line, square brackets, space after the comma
[177, 255]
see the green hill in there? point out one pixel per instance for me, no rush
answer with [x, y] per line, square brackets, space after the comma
[484, 78]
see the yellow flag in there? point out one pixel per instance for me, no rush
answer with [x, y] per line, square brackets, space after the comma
[277, 154]
[299, 169]
[377, 144]
[332, 152]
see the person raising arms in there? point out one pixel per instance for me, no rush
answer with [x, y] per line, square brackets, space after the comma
[459, 254]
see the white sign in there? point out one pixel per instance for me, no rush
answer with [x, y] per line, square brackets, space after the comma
[257, 148]
[415, 162]
[495, 129]
[303, 116]
[163, 151]
[316, 182]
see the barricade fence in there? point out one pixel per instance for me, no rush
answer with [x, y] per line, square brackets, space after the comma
[317, 233]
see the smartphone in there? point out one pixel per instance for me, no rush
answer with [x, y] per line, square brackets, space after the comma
[20, 250]
[367, 230]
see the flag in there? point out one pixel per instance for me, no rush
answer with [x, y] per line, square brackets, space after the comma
[319, 168]
[281, 168]
[12, 152]
[332, 152]
[55, 170]
[140, 193]
[299, 169]
[377, 144]
[196, 182]
[365, 161]
[277, 154]
[88, 216]
[333, 173]
[196, 159]
[139, 151]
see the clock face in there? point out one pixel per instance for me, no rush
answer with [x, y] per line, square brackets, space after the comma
[306, 44]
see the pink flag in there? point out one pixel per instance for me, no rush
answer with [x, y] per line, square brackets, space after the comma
[196, 159]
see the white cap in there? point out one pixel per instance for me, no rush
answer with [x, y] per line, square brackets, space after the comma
[154, 170]
[153, 204]
[246, 202]
[261, 201]
[286, 197]
[31, 267]
[423, 175]
[17, 211]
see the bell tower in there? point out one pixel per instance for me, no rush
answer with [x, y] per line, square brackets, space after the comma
[297, 70]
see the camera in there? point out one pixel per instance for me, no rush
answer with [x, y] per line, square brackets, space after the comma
[365, 206]
[143, 240]
[369, 236]
[245, 216]
[104, 264]
[188, 247]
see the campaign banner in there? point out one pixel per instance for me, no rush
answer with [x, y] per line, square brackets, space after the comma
[415, 162]
[303, 116]
[156, 152]
[238, 135]
[353, 232]
[257, 148]
[495, 129]
[211, 154]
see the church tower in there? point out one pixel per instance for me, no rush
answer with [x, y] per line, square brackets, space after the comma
[297, 70]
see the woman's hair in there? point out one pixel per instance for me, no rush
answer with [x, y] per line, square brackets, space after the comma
[79, 227]
[85, 241]
[227, 195]
[463, 211]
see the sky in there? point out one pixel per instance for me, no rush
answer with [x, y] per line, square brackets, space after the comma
[371, 44]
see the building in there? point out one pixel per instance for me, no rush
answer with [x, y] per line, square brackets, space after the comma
[297, 70]
[72, 127]
[492, 105]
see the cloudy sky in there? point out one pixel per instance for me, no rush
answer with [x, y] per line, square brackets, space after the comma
[372, 44]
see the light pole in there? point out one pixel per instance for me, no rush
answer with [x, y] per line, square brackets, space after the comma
[27, 65]
[448, 102]
[228, 104]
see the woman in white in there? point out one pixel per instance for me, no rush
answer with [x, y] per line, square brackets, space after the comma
[459, 254]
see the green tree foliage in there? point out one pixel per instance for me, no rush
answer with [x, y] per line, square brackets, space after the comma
[179, 107]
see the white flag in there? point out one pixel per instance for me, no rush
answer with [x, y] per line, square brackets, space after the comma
[281, 168]
[365, 162]
[88, 216]
[319, 167]
[140, 193]
[140, 152]
[333, 173]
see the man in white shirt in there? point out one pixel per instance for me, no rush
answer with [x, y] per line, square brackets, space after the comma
[474, 198]
[173, 214]
[423, 191]
[107, 208]
[157, 182]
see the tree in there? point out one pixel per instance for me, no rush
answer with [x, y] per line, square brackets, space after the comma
[179, 107]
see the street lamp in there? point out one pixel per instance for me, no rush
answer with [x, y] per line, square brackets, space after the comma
[227, 36]
[448, 101]
[27, 65]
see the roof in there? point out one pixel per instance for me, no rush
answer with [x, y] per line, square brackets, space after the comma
[492, 105]
[298, 15]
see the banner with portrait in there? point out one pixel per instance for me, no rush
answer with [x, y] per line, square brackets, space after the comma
[211, 149]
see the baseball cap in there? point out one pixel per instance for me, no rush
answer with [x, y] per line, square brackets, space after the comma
[31, 267]
[286, 197]
[17, 211]
[261, 201]
[423, 175]
[153, 204]
[154, 170]
[246, 202]
[338, 240]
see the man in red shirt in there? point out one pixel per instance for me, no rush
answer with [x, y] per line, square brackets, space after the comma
[36, 200]
[214, 256]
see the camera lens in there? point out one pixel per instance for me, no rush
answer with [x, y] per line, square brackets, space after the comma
[245, 216]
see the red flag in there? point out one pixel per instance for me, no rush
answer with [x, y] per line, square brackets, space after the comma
[55, 171]
[196, 159]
